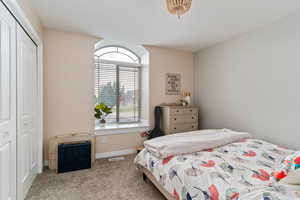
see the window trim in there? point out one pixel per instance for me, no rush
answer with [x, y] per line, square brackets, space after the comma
[119, 53]
[113, 62]
[116, 129]
[119, 64]
[119, 46]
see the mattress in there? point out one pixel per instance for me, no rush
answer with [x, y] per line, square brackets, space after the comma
[239, 170]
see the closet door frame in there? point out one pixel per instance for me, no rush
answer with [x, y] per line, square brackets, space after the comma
[21, 18]
[8, 119]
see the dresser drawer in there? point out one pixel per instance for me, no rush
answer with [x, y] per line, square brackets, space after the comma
[176, 111]
[191, 118]
[177, 119]
[176, 128]
[190, 111]
[180, 119]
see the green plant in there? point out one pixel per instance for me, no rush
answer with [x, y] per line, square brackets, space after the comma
[101, 111]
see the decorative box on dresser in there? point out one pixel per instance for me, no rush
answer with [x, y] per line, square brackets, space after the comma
[176, 119]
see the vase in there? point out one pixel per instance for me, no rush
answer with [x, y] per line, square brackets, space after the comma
[102, 121]
[188, 100]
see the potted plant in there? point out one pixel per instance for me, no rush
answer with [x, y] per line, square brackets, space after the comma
[101, 112]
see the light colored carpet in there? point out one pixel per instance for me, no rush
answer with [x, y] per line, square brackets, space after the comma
[116, 180]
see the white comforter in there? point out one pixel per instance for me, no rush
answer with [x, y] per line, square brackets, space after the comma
[194, 141]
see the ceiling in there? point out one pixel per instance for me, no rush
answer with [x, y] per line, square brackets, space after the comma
[148, 22]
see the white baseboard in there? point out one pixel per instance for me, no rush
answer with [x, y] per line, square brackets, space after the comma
[107, 154]
[115, 153]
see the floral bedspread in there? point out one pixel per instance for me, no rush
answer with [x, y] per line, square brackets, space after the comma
[240, 170]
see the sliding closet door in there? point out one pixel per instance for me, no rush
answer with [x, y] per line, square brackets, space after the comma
[7, 105]
[27, 105]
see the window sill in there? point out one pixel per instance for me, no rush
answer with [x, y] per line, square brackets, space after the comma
[115, 129]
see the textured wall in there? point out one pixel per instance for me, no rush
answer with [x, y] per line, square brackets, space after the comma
[68, 83]
[251, 83]
[162, 61]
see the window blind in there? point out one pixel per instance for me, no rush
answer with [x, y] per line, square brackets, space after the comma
[129, 94]
[105, 87]
[119, 88]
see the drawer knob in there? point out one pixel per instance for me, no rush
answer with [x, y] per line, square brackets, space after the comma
[174, 118]
[177, 110]
[191, 110]
[192, 126]
[192, 117]
[175, 128]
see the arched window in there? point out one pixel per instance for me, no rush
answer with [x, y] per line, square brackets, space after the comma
[117, 53]
[117, 83]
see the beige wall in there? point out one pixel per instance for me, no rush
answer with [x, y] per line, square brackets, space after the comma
[162, 61]
[32, 16]
[68, 86]
[118, 142]
[68, 83]
[251, 83]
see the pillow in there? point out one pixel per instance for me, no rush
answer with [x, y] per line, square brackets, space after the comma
[289, 172]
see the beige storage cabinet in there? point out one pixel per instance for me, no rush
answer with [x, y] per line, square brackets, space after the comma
[176, 119]
[68, 139]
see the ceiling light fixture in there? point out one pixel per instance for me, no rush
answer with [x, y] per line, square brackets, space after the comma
[178, 7]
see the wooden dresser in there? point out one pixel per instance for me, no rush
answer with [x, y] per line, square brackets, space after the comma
[176, 119]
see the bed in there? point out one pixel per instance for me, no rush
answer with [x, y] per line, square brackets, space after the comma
[238, 170]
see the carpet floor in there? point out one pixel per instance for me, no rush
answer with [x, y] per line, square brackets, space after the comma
[117, 180]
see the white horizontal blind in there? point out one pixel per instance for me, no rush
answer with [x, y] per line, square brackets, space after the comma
[129, 94]
[105, 87]
[119, 88]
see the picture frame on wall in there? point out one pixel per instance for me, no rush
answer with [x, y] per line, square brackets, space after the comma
[173, 84]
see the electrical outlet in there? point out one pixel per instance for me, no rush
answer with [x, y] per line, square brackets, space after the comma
[104, 140]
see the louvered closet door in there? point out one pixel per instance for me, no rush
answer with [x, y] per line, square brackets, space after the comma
[7, 106]
[27, 112]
